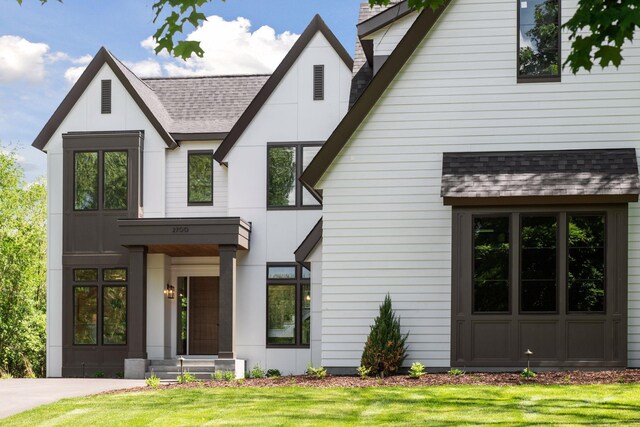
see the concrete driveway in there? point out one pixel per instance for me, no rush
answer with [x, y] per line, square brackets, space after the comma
[17, 395]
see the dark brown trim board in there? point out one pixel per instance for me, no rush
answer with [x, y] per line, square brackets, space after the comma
[383, 18]
[204, 136]
[340, 136]
[311, 241]
[560, 338]
[102, 57]
[316, 24]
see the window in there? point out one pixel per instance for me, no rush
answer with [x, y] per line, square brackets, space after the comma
[586, 263]
[85, 315]
[285, 164]
[114, 315]
[105, 97]
[491, 264]
[115, 179]
[538, 40]
[108, 290]
[288, 305]
[86, 181]
[318, 82]
[200, 191]
[538, 263]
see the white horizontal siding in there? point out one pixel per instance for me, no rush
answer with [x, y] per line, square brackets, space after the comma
[386, 39]
[385, 227]
[177, 174]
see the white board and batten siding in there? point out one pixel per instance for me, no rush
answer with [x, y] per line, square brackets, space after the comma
[86, 116]
[385, 227]
[289, 115]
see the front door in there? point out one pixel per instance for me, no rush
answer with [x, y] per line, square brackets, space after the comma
[203, 315]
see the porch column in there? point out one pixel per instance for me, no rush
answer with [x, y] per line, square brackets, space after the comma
[137, 304]
[227, 301]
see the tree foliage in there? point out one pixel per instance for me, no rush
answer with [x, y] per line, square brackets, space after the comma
[385, 349]
[22, 271]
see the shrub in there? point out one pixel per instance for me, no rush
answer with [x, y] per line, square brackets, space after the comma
[527, 373]
[120, 375]
[319, 372]
[223, 376]
[153, 381]
[256, 372]
[364, 372]
[4, 375]
[217, 376]
[99, 374]
[454, 372]
[416, 370]
[273, 373]
[385, 349]
[187, 377]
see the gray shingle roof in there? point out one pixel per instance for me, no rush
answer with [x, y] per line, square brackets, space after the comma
[540, 173]
[210, 104]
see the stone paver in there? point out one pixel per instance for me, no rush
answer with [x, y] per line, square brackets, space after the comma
[17, 395]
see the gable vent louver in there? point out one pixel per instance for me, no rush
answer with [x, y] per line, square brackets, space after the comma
[318, 82]
[105, 104]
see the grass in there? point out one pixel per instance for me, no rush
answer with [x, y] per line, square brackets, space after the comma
[435, 406]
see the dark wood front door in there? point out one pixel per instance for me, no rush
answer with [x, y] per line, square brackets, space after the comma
[203, 315]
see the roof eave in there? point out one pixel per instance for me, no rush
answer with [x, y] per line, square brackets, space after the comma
[384, 18]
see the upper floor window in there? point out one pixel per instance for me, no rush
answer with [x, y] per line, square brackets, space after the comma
[285, 164]
[200, 185]
[115, 181]
[539, 40]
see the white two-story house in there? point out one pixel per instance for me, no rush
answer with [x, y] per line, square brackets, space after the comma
[175, 210]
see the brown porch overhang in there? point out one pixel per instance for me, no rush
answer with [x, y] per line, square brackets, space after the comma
[540, 177]
[185, 236]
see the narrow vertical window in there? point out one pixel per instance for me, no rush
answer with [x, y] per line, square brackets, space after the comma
[308, 153]
[114, 315]
[586, 263]
[200, 178]
[538, 39]
[86, 181]
[281, 169]
[318, 82]
[281, 313]
[538, 286]
[306, 314]
[105, 102]
[115, 181]
[491, 264]
[85, 315]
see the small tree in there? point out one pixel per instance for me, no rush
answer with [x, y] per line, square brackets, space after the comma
[385, 349]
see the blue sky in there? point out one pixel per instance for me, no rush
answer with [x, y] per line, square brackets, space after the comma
[43, 48]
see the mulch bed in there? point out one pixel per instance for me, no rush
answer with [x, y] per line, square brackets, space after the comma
[472, 378]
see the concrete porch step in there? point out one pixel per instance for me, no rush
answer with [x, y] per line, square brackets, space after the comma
[172, 375]
[185, 363]
[192, 368]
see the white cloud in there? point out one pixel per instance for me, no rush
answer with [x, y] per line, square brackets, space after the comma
[21, 59]
[73, 74]
[83, 60]
[145, 68]
[231, 48]
[56, 57]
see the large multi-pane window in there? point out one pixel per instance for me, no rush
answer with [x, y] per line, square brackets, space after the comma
[285, 164]
[288, 305]
[200, 179]
[87, 179]
[539, 257]
[538, 40]
[99, 304]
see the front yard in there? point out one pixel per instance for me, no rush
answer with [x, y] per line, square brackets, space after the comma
[436, 406]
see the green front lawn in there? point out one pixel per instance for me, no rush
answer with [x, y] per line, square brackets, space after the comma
[437, 406]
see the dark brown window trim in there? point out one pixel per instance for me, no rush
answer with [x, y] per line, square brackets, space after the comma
[556, 215]
[298, 146]
[539, 79]
[98, 186]
[126, 318]
[297, 282]
[605, 273]
[101, 178]
[198, 153]
[473, 269]
[73, 312]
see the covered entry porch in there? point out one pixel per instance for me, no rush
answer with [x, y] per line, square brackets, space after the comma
[182, 275]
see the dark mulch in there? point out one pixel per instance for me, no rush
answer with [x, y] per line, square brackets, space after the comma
[497, 379]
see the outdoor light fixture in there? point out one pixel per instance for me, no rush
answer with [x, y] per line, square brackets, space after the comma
[170, 292]
[528, 353]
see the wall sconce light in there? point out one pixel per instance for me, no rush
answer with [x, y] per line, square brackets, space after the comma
[170, 291]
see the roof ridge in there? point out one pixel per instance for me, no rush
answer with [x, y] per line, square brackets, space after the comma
[207, 76]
